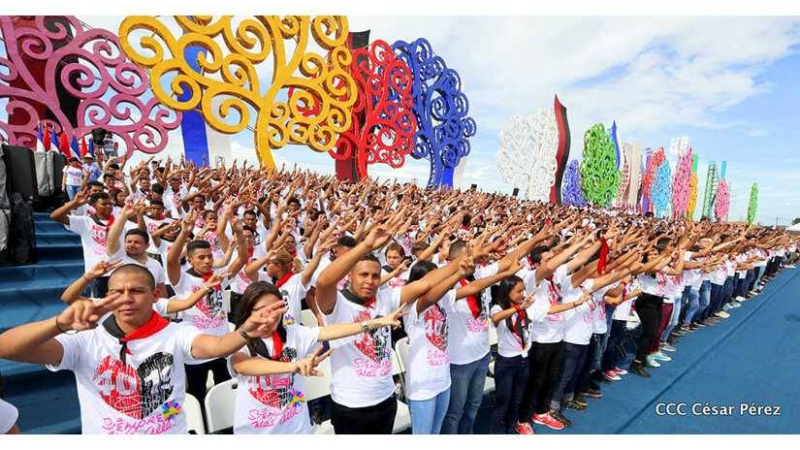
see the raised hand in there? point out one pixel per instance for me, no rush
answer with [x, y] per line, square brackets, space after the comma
[101, 268]
[264, 321]
[392, 320]
[83, 315]
[377, 237]
[215, 280]
[307, 367]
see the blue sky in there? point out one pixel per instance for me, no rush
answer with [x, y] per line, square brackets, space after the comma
[729, 84]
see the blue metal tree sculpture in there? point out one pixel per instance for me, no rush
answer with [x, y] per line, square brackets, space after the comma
[441, 109]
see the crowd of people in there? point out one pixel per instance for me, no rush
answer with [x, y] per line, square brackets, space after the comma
[374, 263]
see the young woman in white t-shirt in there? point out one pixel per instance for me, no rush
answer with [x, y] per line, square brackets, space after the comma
[72, 177]
[271, 398]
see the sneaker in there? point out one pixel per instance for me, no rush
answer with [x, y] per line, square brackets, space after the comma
[524, 428]
[548, 421]
[668, 348]
[620, 371]
[661, 357]
[679, 332]
[611, 375]
[640, 370]
[722, 314]
[572, 404]
[651, 362]
[560, 417]
[593, 393]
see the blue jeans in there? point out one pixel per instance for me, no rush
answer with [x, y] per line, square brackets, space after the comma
[511, 377]
[72, 191]
[693, 304]
[705, 300]
[611, 356]
[673, 319]
[574, 360]
[427, 415]
[466, 393]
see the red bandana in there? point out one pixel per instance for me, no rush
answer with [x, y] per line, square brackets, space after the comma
[472, 301]
[155, 324]
[601, 264]
[283, 279]
[277, 346]
[250, 253]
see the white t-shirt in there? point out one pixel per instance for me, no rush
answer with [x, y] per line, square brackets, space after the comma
[550, 328]
[241, 280]
[143, 396]
[293, 291]
[73, 175]
[428, 361]
[152, 226]
[653, 285]
[623, 310]
[275, 404]
[207, 315]
[94, 238]
[468, 334]
[150, 264]
[578, 322]
[361, 364]
[512, 343]
[8, 416]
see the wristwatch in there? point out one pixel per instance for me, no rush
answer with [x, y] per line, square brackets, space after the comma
[365, 326]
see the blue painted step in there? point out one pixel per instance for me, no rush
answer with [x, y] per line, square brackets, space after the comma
[44, 270]
[60, 251]
[47, 401]
[53, 237]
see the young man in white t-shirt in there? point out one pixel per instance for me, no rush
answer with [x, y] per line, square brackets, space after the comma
[208, 315]
[362, 388]
[93, 230]
[131, 250]
[128, 365]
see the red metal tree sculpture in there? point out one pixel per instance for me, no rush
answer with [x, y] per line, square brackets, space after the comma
[383, 121]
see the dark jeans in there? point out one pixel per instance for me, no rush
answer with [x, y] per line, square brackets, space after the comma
[546, 362]
[648, 307]
[574, 360]
[510, 377]
[376, 419]
[611, 357]
[716, 300]
[593, 356]
[197, 375]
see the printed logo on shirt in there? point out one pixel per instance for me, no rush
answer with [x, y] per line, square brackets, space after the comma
[211, 307]
[288, 318]
[375, 345]
[436, 331]
[100, 237]
[481, 323]
[138, 393]
[278, 393]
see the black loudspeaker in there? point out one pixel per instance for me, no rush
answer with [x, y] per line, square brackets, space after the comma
[98, 136]
[516, 192]
[20, 172]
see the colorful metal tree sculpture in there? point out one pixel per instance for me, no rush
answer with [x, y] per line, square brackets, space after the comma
[573, 194]
[655, 160]
[443, 127]
[660, 193]
[681, 183]
[383, 124]
[752, 206]
[722, 202]
[90, 67]
[599, 175]
[710, 191]
[562, 154]
[228, 85]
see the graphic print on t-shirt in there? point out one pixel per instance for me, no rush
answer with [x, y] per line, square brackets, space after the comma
[278, 393]
[211, 306]
[375, 345]
[436, 331]
[481, 323]
[138, 392]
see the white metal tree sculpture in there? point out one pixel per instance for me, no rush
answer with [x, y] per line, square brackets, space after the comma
[527, 155]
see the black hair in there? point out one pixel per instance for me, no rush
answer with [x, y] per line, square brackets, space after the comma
[420, 269]
[536, 254]
[456, 248]
[502, 296]
[250, 212]
[197, 244]
[97, 183]
[293, 200]
[207, 212]
[250, 297]
[157, 203]
[114, 166]
[347, 241]
[157, 188]
[98, 196]
[138, 232]
[135, 268]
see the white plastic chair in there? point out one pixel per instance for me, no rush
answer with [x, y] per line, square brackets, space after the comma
[226, 301]
[308, 318]
[194, 416]
[318, 387]
[492, 335]
[401, 347]
[220, 406]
